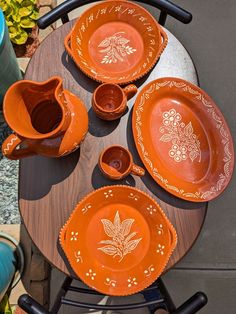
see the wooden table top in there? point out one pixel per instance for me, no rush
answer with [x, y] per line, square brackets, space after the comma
[50, 188]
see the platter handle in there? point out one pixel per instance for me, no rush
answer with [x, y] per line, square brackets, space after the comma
[164, 41]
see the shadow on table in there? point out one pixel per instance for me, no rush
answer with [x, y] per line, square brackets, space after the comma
[149, 182]
[98, 180]
[99, 127]
[44, 172]
[83, 80]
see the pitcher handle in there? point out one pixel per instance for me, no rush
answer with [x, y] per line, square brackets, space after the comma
[9, 148]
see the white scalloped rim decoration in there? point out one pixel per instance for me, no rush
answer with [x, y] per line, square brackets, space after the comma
[220, 125]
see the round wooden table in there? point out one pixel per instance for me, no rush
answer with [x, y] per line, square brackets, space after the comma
[50, 188]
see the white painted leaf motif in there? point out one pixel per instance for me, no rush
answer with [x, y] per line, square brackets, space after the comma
[130, 246]
[123, 41]
[193, 155]
[108, 249]
[126, 226]
[108, 228]
[108, 242]
[166, 137]
[117, 222]
[116, 48]
[188, 130]
[130, 237]
[118, 230]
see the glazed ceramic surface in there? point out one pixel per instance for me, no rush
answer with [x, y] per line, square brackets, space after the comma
[118, 240]
[183, 139]
[109, 100]
[116, 41]
[46, 119]
[116, 162]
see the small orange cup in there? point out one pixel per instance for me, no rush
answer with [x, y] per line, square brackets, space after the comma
[116, 163]
[109, 100]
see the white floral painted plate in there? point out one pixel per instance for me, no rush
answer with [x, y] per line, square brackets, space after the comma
[183, 139]
[118, 240]
[116, 41]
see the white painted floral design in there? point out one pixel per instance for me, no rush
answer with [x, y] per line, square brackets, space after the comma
[78, 257]
[160, 249]
[74, 236]
[184, 142]
[149, 270]
[115, 48]
[121, 243]
[110, 282]
[108, 194]
[133, 196]
[151, 209]
[91, 274]
[132, 282]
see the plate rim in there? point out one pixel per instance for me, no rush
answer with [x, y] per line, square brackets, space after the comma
[149, 165]
[145, 283]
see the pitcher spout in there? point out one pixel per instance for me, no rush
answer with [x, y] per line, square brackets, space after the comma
[37, 110]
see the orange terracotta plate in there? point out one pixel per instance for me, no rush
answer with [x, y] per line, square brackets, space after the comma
[116, 42]
[183, 139]
[118, 240]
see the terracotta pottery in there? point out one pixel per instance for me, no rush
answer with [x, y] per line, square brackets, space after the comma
[109, 101]
[116, 162]
[183, 139]
[116, 42]
[46, 119]
[118, 240]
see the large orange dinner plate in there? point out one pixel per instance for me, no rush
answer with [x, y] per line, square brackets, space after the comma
[183, 139]
[118, 240]
[116, 41]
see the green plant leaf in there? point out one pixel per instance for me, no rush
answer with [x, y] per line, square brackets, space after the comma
[34, 15]
[16, 17]
[26, 22]
[3, 6]
[20, 1]
[13, 32]
[21, 38]
[25, 11]
[9, 22]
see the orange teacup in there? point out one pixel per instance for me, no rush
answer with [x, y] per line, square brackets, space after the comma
[110, 100]
[116, 162]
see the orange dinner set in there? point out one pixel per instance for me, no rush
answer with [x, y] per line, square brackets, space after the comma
[118, 239]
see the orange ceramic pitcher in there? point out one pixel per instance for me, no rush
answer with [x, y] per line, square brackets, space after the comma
[46, 119]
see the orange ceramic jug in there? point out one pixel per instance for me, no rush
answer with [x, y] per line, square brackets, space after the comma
[46, 119]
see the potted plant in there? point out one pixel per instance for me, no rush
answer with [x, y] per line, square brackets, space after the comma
[21, 16]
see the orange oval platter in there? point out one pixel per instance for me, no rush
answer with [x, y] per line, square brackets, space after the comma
[118, 240]
[116, 42]
[183, 139]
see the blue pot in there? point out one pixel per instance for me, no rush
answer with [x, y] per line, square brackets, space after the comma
[7, 267]
[9, 68]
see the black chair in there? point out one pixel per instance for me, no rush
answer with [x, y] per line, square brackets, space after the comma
[156, 296]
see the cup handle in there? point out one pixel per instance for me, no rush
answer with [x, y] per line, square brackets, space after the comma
[137, 171]
[9, 148]
[130, 91]
[67, 43]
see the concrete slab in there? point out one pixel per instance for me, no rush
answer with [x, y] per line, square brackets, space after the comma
[220, 287]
